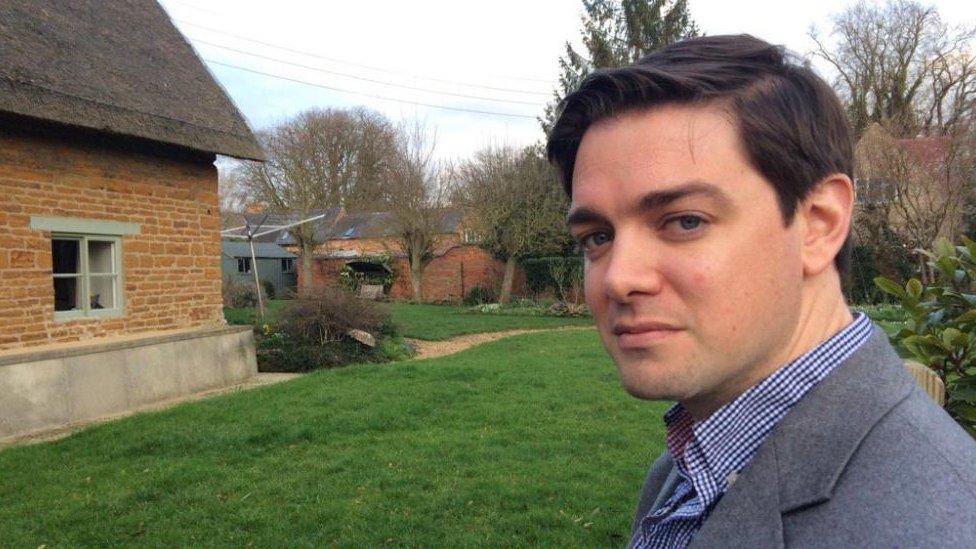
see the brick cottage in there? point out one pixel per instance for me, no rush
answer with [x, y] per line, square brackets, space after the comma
[109, 221]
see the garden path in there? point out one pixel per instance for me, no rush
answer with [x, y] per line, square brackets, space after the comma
[433, 349]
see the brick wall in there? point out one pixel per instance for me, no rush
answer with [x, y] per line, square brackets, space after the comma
[447, 277]
[171, 269]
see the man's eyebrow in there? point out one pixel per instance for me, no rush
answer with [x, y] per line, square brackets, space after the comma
[584, 215]
[658, 199]
[653, 200]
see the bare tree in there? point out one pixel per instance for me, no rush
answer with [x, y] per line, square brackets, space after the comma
[921, 186]
[231, 198]
[900, 64]
[317, 160]
[413, 197]
[513, 205]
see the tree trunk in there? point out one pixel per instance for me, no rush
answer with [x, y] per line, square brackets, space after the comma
[416, 280]
[306, 266]
[506, 293]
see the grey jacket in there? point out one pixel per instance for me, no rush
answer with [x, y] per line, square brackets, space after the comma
[865, 459]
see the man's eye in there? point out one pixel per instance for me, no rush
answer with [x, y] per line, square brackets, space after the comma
[593, 241]
[686, 223]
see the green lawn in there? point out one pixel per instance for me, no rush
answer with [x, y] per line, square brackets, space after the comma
[437, 322]
[524, 441]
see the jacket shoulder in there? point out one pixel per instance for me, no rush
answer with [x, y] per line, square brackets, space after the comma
[911, 481]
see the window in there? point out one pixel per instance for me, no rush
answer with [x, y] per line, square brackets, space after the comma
[288, 265]
[243, 264]
[87, 273]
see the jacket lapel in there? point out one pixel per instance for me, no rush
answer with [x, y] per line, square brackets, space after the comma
[800, 462]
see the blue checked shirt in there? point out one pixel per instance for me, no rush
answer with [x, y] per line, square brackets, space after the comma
[709, 454]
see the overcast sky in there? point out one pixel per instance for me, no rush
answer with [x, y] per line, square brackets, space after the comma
[478, 72]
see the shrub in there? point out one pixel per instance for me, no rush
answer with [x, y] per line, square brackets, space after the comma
[269, 289]
[889, 259]
[562, 308]
[312, 332]
[238, 294]
[940, 330]
[556, 274]
[479, 296]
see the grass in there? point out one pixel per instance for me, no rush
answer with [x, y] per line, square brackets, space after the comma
[247, 315]
[437, 322]
[525, 441]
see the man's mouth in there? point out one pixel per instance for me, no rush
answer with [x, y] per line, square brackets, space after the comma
[637, 335]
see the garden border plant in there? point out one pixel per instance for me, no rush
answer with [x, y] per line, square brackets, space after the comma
[314, 331]
[940, 331]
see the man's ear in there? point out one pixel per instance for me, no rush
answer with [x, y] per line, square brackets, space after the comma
[827, 211]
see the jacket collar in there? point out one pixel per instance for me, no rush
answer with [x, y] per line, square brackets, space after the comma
[800, 462]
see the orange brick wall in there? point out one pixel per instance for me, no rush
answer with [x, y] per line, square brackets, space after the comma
[447, 277]
[171, 270]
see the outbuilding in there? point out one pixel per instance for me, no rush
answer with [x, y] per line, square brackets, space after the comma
[110, 285]
[274, 264]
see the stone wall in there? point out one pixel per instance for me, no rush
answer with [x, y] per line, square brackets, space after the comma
[171, 269]
[448, 277]
[44, 389]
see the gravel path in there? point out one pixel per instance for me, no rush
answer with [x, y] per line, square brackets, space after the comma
[432, 349]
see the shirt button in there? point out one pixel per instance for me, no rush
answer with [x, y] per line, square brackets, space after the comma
[733, 476]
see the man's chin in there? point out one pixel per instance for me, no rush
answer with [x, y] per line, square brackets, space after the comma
[649, 389]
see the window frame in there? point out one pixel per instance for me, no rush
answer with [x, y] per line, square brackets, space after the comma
[290, 261]
[84, 277]
[245, 262]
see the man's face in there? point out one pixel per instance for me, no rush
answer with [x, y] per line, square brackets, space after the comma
[692, 277]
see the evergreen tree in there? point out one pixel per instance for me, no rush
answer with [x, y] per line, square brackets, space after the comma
[617, 33]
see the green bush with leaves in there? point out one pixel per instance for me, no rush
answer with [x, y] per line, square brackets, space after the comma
[480, 296]
[941, 328]
[269, 288]
[556, 274]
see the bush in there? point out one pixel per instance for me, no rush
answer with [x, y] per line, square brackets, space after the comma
[556, 274]
[479, 296]
[238, 294]
[312, 332]
[269, 289]
[868, 263]
[561, 308]
[940, 330]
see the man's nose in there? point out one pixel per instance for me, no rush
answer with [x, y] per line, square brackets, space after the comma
[633, 268]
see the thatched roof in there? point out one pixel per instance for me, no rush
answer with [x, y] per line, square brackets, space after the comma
[116, 66]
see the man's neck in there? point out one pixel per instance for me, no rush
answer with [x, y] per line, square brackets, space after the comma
[823, 313]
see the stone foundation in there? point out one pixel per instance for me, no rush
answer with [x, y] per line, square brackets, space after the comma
[55, 386]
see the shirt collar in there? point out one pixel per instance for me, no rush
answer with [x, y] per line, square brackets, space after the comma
[730, 437]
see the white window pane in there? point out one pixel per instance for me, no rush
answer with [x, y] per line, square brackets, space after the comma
[67, 294]
[100, 258]
[102, 292]
[65, 256]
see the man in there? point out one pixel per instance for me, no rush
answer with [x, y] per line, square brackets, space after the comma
[711, 194]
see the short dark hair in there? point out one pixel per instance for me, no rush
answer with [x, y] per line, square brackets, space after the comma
[791, 123]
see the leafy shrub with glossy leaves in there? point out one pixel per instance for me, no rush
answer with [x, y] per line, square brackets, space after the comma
[940, 331]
